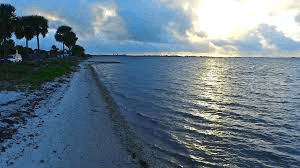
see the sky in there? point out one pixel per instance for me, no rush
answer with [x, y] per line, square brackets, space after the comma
[242, 28]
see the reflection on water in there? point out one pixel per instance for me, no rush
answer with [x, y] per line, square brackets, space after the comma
[211, 112]
[207, 84]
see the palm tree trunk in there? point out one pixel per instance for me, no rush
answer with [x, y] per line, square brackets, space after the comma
[38, 42]
[26, 46]
[5, 46]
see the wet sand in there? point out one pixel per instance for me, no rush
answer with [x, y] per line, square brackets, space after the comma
[71, 128]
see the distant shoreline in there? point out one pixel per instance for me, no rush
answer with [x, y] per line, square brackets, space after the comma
[107, 55]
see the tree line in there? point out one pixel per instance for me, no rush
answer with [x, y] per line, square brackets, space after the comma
[29, 27]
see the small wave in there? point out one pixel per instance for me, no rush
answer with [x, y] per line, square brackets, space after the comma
[277, 102]
[204, 133]
[184, 159]
[198, 117]
[148, 117]
[236, 104]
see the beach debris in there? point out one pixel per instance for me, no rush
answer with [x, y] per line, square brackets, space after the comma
[6, 133]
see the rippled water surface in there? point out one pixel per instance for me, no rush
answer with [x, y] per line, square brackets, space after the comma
[211, 112]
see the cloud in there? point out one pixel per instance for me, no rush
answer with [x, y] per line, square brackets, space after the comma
[241, 25]
[147, 20]
[278, 38]
[106, 22]
[264, 39]
[297, 18]
[203, 27]
[55, 19]
[249, 43]
[233, 18]
[131, 47]
[88, 20]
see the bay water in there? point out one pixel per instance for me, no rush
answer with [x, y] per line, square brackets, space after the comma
[210, 112]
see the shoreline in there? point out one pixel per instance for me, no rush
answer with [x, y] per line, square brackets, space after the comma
[69, 126]
[121, 128]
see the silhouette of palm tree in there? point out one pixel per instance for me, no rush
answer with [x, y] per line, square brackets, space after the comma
[39, 26]
[7, 22]
[70, 39]
[24, 28]
[61, 33]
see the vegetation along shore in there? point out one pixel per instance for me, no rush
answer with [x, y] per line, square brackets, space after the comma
[36, 66]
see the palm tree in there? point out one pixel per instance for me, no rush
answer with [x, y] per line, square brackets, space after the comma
[7, 22]
[24, 29]
[70, 39]
[60, 34]
[19, 31]
[39, 26]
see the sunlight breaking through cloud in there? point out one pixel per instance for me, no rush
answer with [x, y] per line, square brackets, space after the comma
[106, 22]
[233, 20]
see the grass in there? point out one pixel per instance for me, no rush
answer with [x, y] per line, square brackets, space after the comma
[15, 71]
[33, 73]
[49, 73]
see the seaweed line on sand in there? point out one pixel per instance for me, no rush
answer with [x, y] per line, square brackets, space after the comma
[121, 128]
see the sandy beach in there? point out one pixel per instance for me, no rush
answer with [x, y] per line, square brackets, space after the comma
[68, 127]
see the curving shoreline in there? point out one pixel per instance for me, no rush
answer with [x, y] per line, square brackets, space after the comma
[70, 127]
[129, 140]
